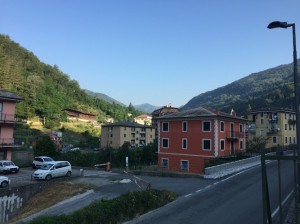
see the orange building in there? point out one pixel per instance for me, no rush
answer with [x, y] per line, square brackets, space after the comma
[7, 122]
[187, 139]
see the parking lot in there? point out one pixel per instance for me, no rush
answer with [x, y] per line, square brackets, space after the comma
[24, 176]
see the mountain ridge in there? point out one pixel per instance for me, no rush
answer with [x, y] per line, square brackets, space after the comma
[269, 88]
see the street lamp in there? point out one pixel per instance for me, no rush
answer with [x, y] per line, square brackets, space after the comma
[278, 24]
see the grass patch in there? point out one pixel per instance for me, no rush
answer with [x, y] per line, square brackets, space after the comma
[50, 196]
[126, 207]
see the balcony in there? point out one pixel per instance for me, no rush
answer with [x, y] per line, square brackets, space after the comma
[273, 120]
[234, 135]
[11, 142]
[291, 121]
[273, 130]
[9, 119]
[251, 128]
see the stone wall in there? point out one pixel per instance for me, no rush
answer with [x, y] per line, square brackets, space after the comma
[12, 199]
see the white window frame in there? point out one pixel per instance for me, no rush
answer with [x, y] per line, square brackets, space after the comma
[186, 143]
[162, 143]
[203, 140]
[222, 140]
[181, 167]
[222, 122]
[203, 126]
[162, 163]
[186, 126]
[241, 128]
[162, 127]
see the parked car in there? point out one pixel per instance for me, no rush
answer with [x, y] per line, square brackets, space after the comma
[53, 169]
[39, 161]
[7, 166]
[4, 181]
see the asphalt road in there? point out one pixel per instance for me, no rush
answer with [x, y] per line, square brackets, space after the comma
[235, 199]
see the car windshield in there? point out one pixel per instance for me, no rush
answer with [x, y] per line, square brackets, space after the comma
[46, 166]
[8, 164]
[48, 159]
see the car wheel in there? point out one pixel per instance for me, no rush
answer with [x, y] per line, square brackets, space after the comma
[48, 177]
[68, 174]
[4, 184]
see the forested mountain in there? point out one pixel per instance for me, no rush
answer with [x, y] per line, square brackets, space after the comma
[146, 107]
[46, 89]
[104, 97]
[270, 88]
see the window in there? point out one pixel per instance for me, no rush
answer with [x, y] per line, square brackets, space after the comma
[165, 143]
[165, 126]
[206, 126]
[184, 126]
[206, 144]
[261, 121]
[165, 163]
[285, 127]
[274, 140]
[184, 143]
[241, 128]
[222, 144]
[111, 135]
[294, 140]
[290, 139]
[184, 165]
[262, 132]
[124, 135]
[241, 144]
[286, 140]
[222, 126]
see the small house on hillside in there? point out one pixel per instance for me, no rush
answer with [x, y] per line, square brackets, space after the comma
[80, 115]
[144, 119]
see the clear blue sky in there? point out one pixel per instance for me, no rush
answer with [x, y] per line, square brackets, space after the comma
[153, 51]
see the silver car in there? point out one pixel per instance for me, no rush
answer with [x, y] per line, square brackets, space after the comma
[7, 166]
[53, 169]
[4, 181]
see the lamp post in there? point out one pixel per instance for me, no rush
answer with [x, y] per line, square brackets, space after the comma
[278, 24]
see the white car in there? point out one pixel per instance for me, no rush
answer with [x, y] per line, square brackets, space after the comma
[7, 166]
[39, 161]
[53, 169]
[4, 181]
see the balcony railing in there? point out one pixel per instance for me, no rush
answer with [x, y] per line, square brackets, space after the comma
[234, 135]
[251, 128]
[9, 118]
[11, 142]
[292, 121]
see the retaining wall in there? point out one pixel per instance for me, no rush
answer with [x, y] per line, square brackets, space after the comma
[12, 199]
[218, 168]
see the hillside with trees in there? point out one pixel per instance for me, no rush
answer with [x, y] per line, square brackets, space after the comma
[47, 90]
[270, 88]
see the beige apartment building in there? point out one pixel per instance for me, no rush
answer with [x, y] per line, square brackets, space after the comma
[278, 125]
[116, 134]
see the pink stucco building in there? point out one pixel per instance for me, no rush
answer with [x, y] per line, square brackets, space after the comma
[7, 121]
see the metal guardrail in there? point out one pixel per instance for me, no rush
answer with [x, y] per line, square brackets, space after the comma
[267, 216]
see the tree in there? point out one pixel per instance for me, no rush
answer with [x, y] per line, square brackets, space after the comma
[257, 144]
[45, 147]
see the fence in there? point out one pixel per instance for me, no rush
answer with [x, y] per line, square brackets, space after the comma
[267, 216]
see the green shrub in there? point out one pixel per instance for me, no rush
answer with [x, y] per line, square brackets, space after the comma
[126, 207]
